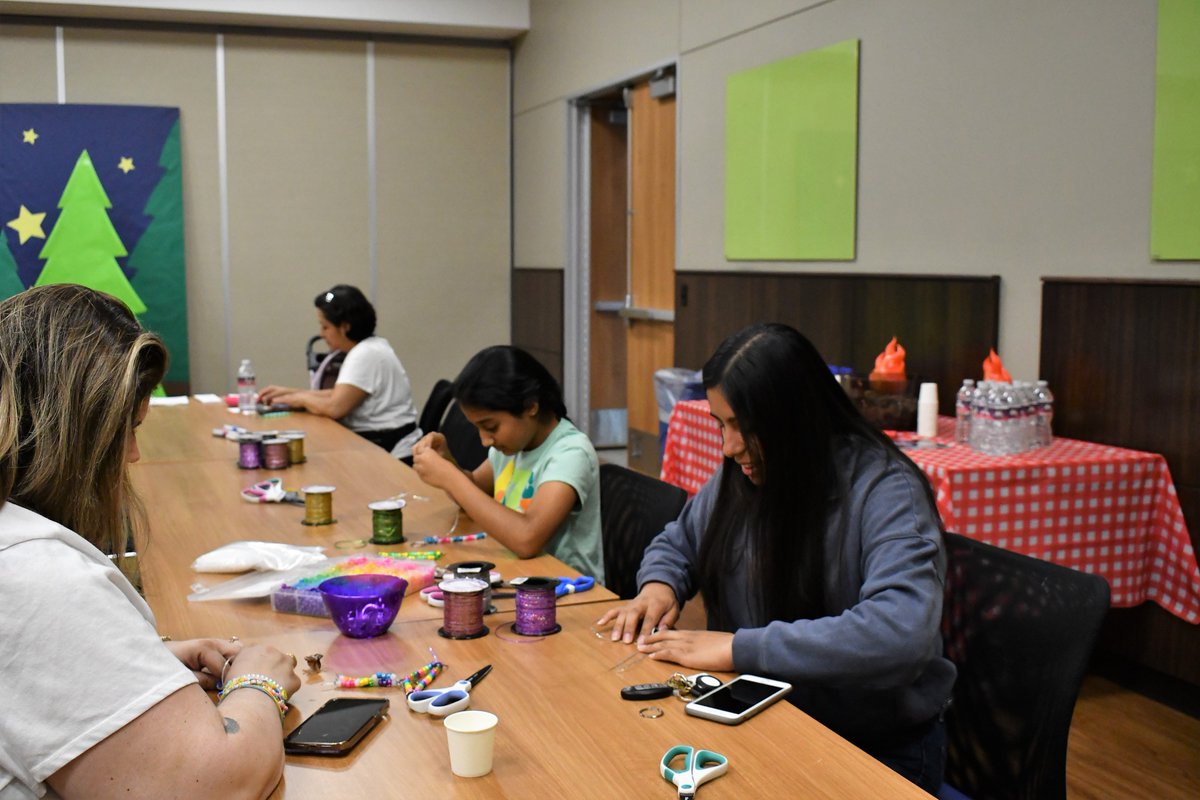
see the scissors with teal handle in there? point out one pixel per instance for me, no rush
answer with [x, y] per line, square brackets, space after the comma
[573, 585]
[699, 766]
[442, 702]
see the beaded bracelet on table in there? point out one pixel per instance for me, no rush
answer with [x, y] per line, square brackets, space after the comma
[262, 683]
[412, 682]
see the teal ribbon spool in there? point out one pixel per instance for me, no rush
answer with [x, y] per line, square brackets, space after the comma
[387, 521]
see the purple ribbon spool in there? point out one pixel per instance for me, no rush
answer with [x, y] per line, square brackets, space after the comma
[249, 456]
[462, 614]
[537, 607]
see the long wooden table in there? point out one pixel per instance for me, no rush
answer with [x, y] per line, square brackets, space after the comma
[564, 730]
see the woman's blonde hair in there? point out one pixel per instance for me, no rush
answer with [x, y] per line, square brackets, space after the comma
[75, 368]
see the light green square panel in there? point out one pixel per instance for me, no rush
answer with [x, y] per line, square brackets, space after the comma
[791, 158]
[1175, 202]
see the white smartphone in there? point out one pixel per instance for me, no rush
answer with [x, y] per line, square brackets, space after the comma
[738, 700]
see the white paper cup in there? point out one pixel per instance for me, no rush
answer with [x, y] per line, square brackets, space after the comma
[472, 738]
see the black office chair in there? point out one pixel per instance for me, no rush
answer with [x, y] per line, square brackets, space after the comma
[634, 508]
[435, 407]
[328, 364]
[1021, 631]
[462, 438]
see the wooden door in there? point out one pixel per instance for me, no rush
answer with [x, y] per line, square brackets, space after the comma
[608, 255]
[650, 339]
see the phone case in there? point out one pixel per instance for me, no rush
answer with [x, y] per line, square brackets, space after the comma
[357, 718]
[697, 707]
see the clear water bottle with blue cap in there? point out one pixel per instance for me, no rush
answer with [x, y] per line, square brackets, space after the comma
[962, 411]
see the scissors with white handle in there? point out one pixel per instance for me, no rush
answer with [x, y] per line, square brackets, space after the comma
[442, 702]
[698, 767]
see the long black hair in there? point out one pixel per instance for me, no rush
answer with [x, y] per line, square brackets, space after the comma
[344, 303]
[506, 378]
[789, 410]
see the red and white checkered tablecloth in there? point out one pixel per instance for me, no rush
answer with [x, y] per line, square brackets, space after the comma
[1105, 510]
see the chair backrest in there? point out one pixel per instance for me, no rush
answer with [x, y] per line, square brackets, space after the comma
[328, 364]
[462, 438]
[634, 508]
[1020, 631]
[435, 407]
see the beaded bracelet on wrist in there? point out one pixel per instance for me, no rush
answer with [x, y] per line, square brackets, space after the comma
[262, 683]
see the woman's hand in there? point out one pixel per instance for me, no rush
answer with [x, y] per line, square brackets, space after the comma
[707, 650]
[265, 660]
[271, 394]
[205, 657]
[654, 607]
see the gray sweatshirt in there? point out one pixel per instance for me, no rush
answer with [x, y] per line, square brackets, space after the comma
[873, 665]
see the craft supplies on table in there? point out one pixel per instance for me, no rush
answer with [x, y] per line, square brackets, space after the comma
[301, 596]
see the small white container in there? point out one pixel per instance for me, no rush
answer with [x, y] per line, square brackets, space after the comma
[471, 736]
[927, 411]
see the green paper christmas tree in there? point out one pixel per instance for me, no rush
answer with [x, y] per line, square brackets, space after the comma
[10, 282]
[84, 246]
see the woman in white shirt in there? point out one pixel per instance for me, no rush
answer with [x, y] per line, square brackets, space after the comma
[95, 704]
[372, 396]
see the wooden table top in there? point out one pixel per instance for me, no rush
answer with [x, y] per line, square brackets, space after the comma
[564, 730]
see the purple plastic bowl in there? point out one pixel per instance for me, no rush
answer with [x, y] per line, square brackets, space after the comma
[363, 606]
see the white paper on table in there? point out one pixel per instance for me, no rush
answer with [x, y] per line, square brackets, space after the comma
[181, 400]
[208, 398]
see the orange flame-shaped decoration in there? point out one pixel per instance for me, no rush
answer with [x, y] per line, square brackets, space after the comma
[890, 363]
[993, 369]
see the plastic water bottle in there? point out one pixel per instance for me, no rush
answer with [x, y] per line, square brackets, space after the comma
[983, 419]
[247, 391]
[1044, 405]
[962, 411]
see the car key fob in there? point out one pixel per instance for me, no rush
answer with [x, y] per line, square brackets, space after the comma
[646, 691]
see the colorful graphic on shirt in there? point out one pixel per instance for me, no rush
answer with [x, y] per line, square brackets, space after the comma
[93, 195]
[514, 487]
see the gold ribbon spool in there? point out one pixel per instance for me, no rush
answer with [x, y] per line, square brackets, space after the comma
[318, 505]
[295, 446]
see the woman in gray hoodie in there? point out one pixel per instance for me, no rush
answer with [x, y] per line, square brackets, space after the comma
[818, 552]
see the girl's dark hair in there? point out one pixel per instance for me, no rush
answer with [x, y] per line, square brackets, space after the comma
[789, 408]
[506, 378]
[345, 303]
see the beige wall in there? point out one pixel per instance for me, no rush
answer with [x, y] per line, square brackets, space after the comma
[299, 182]
[995, 138]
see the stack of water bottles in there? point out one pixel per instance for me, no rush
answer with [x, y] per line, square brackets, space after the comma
[1000, 418]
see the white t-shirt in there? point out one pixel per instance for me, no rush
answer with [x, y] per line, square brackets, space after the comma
[79, 656]
[372, 366]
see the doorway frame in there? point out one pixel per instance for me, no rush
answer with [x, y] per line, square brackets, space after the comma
[577, 300]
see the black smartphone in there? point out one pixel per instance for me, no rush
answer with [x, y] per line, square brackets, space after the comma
[336, 727]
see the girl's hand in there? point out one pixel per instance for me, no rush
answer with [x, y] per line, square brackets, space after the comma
[654, 607]
[711, 651]
[205, 657]
[432, 467]
[434, 443]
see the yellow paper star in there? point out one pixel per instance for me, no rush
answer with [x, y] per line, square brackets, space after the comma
[28, 225]
[29, 136]
[126, 164]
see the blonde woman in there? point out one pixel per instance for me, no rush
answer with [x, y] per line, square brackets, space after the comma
[94, 704]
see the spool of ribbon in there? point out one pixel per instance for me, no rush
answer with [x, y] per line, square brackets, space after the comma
[249, 456]
[318, 505]
[275, 453]
[462, 614]
[536, 607]
[387, 521]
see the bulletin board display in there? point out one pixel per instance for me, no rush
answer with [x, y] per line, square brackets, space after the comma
[1175, 202]
[791, 157]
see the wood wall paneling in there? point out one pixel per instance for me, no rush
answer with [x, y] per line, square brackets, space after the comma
[946, 323]
[537, 316]
[1123, 360]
